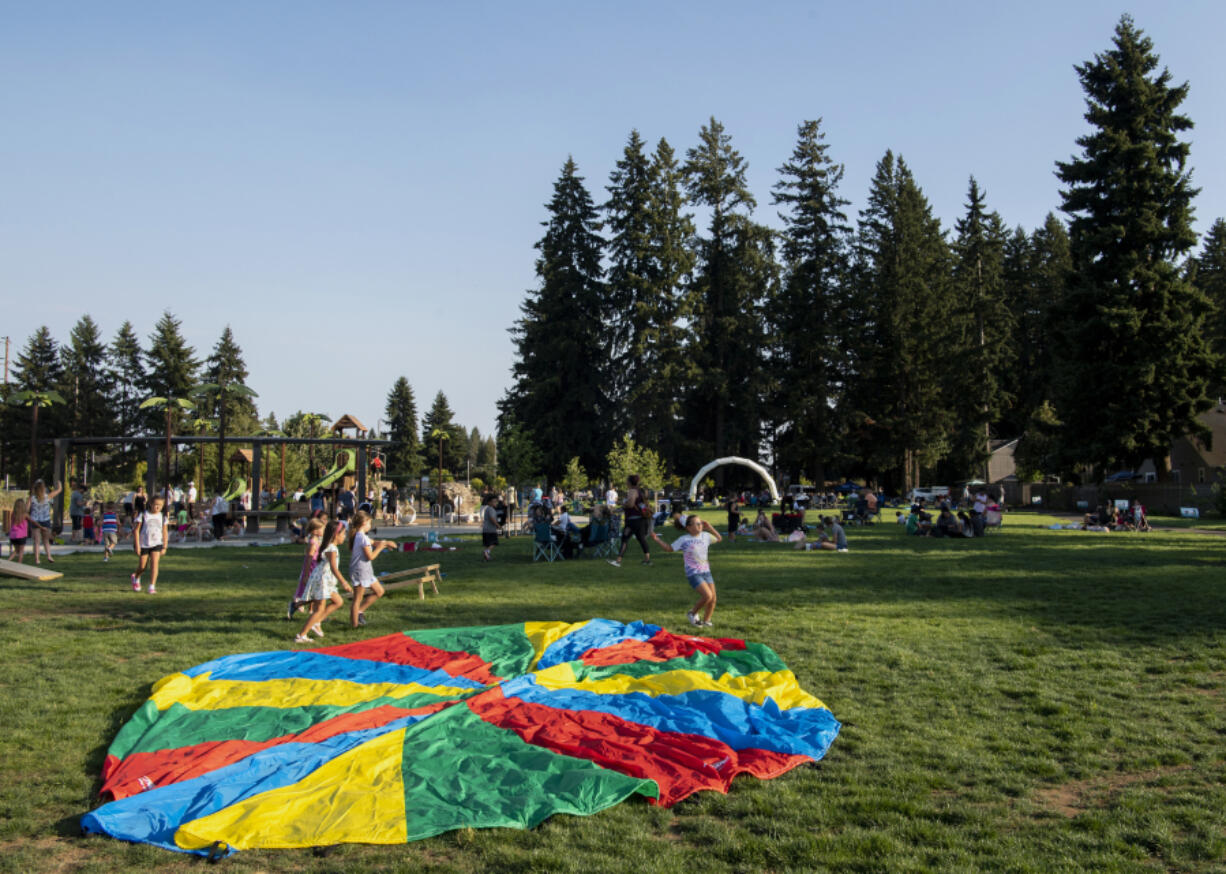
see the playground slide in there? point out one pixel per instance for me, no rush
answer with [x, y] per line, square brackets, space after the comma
[346, 462]
[238, 485]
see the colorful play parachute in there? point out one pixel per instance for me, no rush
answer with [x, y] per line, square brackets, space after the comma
[402, 737]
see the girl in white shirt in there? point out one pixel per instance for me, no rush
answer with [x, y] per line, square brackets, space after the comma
[40, 517]
[150, 534]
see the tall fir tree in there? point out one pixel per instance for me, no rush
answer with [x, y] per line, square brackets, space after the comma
[808, 317]
[1136, 364]
[735, 276]
[125, 361]
[1209, 275]
[404, 458]
[87, 386]
[170, 368]
[37, 368]
[1037, 272]
[562, 374]
[455, 446]
[227, 398]
[487, 460]
[981, 345]
[897, 412]
[650, 259]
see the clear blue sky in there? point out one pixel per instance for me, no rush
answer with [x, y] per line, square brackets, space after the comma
[356, 187]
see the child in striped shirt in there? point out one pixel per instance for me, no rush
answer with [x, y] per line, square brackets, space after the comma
[110, 531]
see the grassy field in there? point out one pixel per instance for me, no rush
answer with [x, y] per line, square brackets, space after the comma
[1032, 701]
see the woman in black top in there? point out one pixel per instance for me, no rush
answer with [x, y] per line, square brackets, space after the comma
[636, 518]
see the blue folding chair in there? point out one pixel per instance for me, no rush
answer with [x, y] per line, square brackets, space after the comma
[543, 545]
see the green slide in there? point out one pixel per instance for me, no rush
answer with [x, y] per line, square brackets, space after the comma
[238, 485]
[346, 462]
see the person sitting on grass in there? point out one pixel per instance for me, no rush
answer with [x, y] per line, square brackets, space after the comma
[946, 525]
[764, 529]
[833, 538]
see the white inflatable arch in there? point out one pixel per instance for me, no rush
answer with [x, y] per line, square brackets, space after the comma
[733, 459]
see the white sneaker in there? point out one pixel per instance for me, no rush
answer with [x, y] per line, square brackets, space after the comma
[135, 582]
[694, 620]
[707, 623]
[616, 562]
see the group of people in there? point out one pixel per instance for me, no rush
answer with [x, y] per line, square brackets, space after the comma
[970, 521]
[1111, 517]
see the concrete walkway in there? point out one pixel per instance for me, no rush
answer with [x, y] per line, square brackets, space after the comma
[269, 537]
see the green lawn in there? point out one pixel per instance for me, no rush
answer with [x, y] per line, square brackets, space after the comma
[1033, 701]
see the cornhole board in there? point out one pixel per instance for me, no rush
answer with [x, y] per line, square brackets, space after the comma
[417, 576]
[27, 571]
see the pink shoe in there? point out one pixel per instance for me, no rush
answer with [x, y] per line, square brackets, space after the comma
[135, 582]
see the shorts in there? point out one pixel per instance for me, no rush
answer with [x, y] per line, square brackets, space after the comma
[109, 539]
[364, 584]
[77, 521]
[150, 550]
[17, 541]
[489, 538]
[696, 580]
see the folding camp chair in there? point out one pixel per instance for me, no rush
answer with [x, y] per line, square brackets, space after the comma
[543, 545]
[599, 543]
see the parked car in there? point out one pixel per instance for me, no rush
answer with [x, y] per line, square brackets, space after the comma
[928, 493]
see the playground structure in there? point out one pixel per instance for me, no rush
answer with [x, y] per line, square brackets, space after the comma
[344, 466]
[734, 459]
[355, 465]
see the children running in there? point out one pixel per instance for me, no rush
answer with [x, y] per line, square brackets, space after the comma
[321, 586]
[149, 537]
[693, 545]
[310, 558]
[363, 552]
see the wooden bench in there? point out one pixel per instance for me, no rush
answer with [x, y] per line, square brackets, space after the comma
[417, 576]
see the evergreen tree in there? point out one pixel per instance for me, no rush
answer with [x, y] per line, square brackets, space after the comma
[519, 460]
[981, 349]
[404, 458]
[1037, 274]
[38, 371]
[735, 275]
[86, 384]
[474, 449]
[808, 315]
[455, 446]
[650, 259]
[896, 409]
[562, 377]
[226, 396]
[170, 368]
[1209, 275]
[487, 460]
[126, 364]
[1136, 362]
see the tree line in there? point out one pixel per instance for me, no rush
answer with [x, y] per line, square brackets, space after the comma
[94, 388]
[889, 347]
